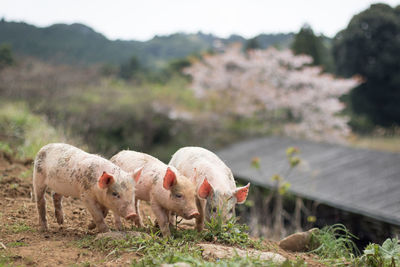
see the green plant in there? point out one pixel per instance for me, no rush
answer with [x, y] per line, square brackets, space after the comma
[229, 232]
[333, 242]
[16, 244]
[386, 255]
[18, 228]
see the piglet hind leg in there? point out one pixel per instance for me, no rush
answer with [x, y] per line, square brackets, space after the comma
[40, 189]
[97, 213]
[57, 200]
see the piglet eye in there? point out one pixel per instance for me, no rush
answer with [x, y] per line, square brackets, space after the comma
[115, 194]
[178, 195]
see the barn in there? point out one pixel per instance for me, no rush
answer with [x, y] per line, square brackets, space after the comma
[357, 187]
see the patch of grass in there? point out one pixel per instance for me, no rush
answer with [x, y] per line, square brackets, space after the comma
[16, 244]
[4, 147]
[230, 233]
[154, 250]
[6, 259]
[27, 174]
[334, 244]
[18, 228]
[14, 186]
[384, 143]
[23, 131]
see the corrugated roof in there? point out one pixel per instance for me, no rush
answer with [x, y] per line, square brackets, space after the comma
[362, 181]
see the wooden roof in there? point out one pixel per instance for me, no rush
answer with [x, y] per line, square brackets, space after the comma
[362, 181]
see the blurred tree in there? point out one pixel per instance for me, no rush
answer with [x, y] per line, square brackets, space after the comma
[273, 82]
[370, 46]
[252, 44]
[130, 69]
[6, 57]
[306, 42]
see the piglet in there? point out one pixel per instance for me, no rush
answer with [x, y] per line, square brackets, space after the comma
[163, 186]
[69, 171]
[203, 166]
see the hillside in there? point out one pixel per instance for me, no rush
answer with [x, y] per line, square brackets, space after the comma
[79, 44]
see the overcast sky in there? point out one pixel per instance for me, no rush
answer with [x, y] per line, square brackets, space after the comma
[141, 20]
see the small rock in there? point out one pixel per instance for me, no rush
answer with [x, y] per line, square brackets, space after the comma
[297, 242]
[212, 251]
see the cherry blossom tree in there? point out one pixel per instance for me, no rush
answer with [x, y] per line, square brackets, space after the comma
[276, 82]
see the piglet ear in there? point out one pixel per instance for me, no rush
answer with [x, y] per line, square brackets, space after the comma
[105, 180]
[205, 189]
[241, 193]
[169, 179]
[136, 173]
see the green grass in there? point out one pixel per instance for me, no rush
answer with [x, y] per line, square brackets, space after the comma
[384, 143]
[18, 228]
[154, 250]
[23, 131]
[16, 244]
[229, 233]
[334, 244]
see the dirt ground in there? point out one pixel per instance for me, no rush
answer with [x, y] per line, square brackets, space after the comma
[21, 242]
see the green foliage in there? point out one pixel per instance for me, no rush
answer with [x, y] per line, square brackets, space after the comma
[386, 255]
[230, 233]
[24, 132]
[252, 44]
[79, 44]
[306, 42]
[6, 57]
[370, 47]
[18, 228]
[333, 242]
[16, 244]
[131, 69]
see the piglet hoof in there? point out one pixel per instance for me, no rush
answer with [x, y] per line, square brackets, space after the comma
[43, 228]
[60, 220]
[103, 229]
[91, 226]
[199, 227]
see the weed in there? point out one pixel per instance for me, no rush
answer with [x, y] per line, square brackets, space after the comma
[229, 232]
[334, 242]
[16, 244]
[18, 228]
[27, 174]
[14, 186]
[386, 255]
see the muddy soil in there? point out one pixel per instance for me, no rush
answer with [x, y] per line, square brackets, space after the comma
[22, 244]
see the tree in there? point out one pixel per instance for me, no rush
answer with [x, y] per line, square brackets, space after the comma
[370, 47]
[6, 57]
[306, 42]
[130, 69]
[252, 44]
[274, 82]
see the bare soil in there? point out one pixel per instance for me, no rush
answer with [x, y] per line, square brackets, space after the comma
[22, 244]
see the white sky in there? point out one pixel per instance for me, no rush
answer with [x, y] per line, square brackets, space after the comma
[141, 20]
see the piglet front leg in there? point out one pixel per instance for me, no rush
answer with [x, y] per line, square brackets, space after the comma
[97, 213]
[201, 204]
[162, 218]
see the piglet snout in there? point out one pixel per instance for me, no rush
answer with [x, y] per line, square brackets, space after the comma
[131, 216]
[193, 214]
